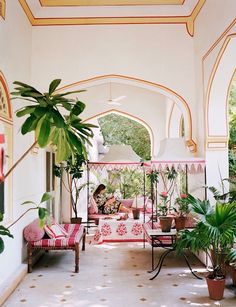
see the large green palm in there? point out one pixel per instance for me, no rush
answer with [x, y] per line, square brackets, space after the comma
[215, 231]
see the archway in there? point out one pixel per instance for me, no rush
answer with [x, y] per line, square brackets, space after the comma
[136, 119]
[218, 91]
[151, 86]
[217, 125]
[6, 152]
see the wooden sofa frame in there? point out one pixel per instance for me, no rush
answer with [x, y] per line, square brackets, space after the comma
[75, 247]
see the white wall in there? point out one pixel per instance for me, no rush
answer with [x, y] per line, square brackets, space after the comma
[213, 24]
[158, 53]
[28, 178]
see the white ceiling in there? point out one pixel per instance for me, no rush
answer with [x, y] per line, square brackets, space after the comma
[58, 11]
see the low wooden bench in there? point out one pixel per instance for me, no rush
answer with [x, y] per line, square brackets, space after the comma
[76, 234]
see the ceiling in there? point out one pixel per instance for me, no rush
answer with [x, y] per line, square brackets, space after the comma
[97, 98]
[107, 12]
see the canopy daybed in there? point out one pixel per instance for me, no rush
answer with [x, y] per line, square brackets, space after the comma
[119, 157]
[172, 155]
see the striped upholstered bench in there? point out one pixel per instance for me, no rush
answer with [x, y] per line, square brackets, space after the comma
[75, 234]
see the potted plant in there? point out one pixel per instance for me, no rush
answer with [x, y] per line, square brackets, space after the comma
[163, 211]
[136, 191]
[214, 234]
[54, 119]
[181, 209]
[74, 172]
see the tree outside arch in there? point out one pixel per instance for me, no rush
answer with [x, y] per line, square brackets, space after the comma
[118, 129]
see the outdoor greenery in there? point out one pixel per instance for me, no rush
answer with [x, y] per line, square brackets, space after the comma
[117, 129]
[126, 183]
[232, 129]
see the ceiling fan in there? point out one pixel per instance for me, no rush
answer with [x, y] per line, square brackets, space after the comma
[114, 101]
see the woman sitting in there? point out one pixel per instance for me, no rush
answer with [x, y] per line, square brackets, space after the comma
[107, 205]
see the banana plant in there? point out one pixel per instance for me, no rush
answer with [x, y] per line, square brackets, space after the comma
[46, 116]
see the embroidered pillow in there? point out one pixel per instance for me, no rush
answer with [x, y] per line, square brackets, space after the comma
[55, 231]
[93, 208]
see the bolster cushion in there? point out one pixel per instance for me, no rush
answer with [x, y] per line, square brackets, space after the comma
[33, 231]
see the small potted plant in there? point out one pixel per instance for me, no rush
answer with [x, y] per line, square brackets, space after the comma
[181, 209]
[163, 209]
[136, 191]
[214, 234]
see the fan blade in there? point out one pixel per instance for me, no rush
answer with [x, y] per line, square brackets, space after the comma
[118, 98]
[114, 103]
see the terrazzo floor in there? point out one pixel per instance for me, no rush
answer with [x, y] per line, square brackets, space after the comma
[114, 274]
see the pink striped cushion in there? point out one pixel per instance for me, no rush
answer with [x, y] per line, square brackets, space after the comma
[55, 231]
[75, 233]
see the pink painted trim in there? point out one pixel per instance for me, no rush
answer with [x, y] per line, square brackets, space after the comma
[120, 241]
[177, 161]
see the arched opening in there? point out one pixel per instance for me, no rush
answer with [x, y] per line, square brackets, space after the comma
[217, 119]
[117, 127]
[150, 103]
[6, 152]
[121, 130]
[232, 128]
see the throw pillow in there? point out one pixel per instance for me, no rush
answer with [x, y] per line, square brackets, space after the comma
[55, 231]
[93, 208]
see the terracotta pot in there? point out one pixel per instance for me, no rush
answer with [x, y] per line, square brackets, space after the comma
[136, 214]
[165, 222]
[180, 222]
[76, 220]
[216, 288]
[232, 272]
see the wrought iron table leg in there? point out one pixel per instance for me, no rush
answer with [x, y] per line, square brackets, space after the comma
[188, 264]
[157, 266]
[160, 263]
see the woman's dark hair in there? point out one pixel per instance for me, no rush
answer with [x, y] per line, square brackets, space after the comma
[99, 189]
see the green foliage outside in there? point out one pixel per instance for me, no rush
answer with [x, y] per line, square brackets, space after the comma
[232, 129]
[117, 129]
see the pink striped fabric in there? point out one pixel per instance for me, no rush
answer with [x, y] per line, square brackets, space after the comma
[75, 231]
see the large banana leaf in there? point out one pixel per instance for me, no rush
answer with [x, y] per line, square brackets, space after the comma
[46, 116]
